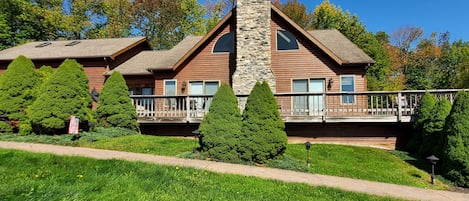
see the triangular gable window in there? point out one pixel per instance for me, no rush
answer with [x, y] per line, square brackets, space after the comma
[286, 41]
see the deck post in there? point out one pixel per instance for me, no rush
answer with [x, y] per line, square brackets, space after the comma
[399, 106]
[188, 105]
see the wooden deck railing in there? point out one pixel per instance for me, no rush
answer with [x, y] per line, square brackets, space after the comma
[372, 106]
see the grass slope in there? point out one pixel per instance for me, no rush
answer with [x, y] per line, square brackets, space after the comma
[31, 176]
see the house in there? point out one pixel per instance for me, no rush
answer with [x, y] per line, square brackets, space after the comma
[318, 76]
[98, 56]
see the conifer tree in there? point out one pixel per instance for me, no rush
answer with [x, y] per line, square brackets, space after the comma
[432, 138]
[263, 136]
[221, 126]
[115, 107]
[66, 93]
[427, 103]
[17, 88]
[455, 164]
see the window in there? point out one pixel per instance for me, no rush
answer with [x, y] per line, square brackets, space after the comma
[286, 41]
[170, 87]
[347, 84]
[312, 104]
[170, 90]
[202, 88]
[141, 90]
[225, 44]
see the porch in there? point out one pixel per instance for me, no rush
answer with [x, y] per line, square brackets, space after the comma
[372, 106]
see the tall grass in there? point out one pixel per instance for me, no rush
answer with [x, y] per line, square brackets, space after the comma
[31, 176]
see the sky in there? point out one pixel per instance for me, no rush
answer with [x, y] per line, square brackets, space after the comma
[388, 15]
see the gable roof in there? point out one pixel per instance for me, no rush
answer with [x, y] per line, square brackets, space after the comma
[346, 51]
[331, 42]
[92, 48]
[156, 60]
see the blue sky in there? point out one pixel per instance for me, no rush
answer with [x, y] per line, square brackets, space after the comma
[388, 15]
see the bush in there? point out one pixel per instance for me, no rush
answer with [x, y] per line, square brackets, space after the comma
[221, 127]
[423, 114]
[66, 93]
[262, 133]
[115, 107]
[432, 138]
[17, 88]
[455, 162]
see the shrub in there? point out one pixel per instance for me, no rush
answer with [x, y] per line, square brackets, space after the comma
[432, 138]
[221, 127]
[455, 162]
[423, 114]
[66, 93]
[115, 107]
[17, 88]
[262, 133]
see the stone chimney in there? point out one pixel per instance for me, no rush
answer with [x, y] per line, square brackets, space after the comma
[253, 45]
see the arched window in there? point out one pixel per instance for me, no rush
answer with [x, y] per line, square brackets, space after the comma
[286, 41]
[225, 43]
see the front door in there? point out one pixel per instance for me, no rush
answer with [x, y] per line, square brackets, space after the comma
[316, 102]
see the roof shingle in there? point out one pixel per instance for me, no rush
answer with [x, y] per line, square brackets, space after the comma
[91, 48]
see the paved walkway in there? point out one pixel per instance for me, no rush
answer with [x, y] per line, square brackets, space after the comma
[348, 184]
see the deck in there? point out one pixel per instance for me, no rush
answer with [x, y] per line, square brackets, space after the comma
[373, 106]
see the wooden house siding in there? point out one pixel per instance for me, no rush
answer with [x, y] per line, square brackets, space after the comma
[204, 65]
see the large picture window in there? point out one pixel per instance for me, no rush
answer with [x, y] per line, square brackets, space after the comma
[286, 41]
[202, 88]
[347, 84]
[312, 104]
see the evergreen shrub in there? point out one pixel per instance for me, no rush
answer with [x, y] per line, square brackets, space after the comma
[433, 138]
[66, 93]
[221, 127]
[17, 88]
[262, 133]
[455, 164]
[115, 107]
[427, 103]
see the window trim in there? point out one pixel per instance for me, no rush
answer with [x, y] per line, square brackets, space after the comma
[175, 86]
[276, 41]
[342, 91]
[203, 84]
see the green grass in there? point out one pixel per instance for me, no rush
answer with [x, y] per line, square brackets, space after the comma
[337, 160]
[32, 176]
[359, 163]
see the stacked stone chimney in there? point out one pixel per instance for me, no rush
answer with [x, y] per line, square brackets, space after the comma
[253, 45]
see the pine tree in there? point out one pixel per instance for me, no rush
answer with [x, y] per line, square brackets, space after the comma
[263, 136]
[432, 137]
[424, 112]
[17, 90]
[115, 107]
[66, 93]
[221, 126]
[455, 164]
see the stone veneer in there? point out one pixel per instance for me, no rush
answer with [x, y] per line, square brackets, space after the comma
[253, 45]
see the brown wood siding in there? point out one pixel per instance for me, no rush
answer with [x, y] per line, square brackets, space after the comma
[309, 62]
[203, 66]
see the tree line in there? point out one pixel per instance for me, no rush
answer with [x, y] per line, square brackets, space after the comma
[404, 59]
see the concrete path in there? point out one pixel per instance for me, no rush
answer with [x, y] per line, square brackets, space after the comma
[348, 184]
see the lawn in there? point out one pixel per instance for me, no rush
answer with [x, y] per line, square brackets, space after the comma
[337, 160]
[32, 176]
